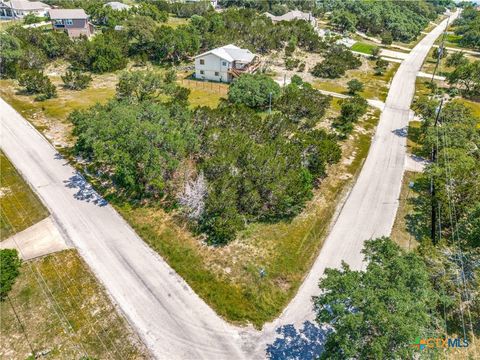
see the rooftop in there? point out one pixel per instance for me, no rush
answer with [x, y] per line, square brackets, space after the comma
[231, 53]
[116, 5]
[25, 5]
[67, 14]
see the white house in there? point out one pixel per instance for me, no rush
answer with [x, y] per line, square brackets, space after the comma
[294, 15]
[225, 63]
[116, 5]
[19, 8]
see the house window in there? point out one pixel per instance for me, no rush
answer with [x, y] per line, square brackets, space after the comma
[202, 72]
[202, 62]
[216, 73]
[224, 63]
[69, 22]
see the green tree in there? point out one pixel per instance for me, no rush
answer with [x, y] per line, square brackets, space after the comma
[377, 313]
[9, 270]
[76, 80]
[456, 59]
[351, 110]
[10, 55]
[467, 76]
[380, 66]
[344, 20]
[387, 38]
[35, 82]
[254, 90]
[355, 86]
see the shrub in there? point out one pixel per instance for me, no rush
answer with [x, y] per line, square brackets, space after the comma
[351, 110]
[355, 86]
[253, 90]
[76, 80]
[35, 82]
[9, 270]
[337, 60]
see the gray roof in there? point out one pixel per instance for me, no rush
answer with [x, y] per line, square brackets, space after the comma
[291, 15]
[116, 5]
[67, 14]
[231, 53]
[26, 5]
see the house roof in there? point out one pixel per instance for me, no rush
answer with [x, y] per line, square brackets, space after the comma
[116, 5]
[231, 53]
[67, 14]
[291, 15]
[26, 5]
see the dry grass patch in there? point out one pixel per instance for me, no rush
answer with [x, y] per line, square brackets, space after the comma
[64, 313]
[20, 207]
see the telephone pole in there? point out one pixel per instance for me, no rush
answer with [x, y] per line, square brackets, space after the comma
[433, 158]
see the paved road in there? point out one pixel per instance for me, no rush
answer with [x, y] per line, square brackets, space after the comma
[370, 209]
[173, 321]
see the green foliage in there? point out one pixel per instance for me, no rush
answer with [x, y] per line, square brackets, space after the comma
[381, 66]
[9, 270]
[392, 20]
[378, 312]
[467, 76]
[468, 26]
[254, 90]
[174, 45]
[455, 174]
[35, 82]
[355, 86]
[338, 60]
[257, 169]
[76, 80]
[32, 19]
[10, 55]
[351, 110]
[137, 146]
[104, 53]
[437, 53]
[456, 59]
[138, 86]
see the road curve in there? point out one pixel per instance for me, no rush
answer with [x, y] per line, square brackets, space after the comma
[172, 320]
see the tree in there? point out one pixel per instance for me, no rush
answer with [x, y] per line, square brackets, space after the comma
[467, 76]
[76, 80]
[380, 66]
[387, 38]
[10, 55]
[338, 60]
[351, 110]
[344, 21]
[9, 270]
[355, 86]
[35, 82]
[439, 52]
[254, 90]
[456, 59]
[378, 312]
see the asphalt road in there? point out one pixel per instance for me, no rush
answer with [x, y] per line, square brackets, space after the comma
[172, 320]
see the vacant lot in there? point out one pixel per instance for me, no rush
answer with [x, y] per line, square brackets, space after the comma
[20, 207]
[56, 308]
[228, 278]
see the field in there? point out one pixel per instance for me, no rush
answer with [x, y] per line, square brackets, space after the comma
[20, 207]
[363, 48]
[57, 310]
[376, 86]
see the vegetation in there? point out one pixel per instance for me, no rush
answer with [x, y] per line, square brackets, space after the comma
[76, 80]
[255, 91]
[351, 110]
[338, 59]
[377, 312]
[35, 82]
[365, 48]
[20, 207]
[57, 304]
[468, 27]
[9, 270]
[355, 86]
[467, 76]
[391, 20]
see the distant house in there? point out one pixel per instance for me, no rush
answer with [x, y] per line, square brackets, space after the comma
[115, 5]
[225, 63]
[294, 15]
[73, 21]
[19, 8]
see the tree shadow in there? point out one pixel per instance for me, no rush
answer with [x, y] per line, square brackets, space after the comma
[302, 344]
[85, 190]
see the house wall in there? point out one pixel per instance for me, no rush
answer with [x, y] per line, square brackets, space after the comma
[77, 28]
[214, 68]
[6, 12]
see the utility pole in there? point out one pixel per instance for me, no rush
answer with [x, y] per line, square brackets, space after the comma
[433, 158]
[270, 102]
[440, 50]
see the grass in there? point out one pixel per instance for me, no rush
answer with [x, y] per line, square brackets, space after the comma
[64, 313]
[363, 48]
[473, 105]
[400, 232]
[228, 277]
[413, 138]
[176, 22]
[204, 93]
[375, 86]
[20, 207]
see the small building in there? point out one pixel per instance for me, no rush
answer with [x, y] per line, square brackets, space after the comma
[17, 9]
[73, 21]
[294, 15]
[225, 63]
[116, 5]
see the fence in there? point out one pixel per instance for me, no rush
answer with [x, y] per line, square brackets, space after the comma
[208, 86]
